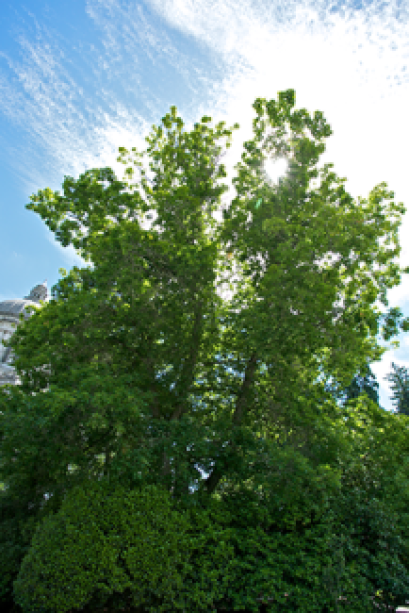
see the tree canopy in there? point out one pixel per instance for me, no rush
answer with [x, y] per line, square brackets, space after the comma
[313, 262]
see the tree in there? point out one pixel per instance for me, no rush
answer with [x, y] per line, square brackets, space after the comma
[363, 382]
[150, 305]
[400, 387]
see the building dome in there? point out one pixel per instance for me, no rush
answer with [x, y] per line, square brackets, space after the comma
[15, 307]
[9, 319]
[39, 292]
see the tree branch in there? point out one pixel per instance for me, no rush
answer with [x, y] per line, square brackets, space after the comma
[215, 476]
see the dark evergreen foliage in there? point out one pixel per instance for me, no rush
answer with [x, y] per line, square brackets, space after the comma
[400, 386]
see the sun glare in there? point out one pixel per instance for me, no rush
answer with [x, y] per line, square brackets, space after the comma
[275, 169]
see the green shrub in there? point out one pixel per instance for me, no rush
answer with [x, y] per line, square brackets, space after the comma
[18, 520]
[105, 541]
[316, 540]
[278, 548]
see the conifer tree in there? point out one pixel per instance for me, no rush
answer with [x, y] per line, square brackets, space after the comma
[400, 386]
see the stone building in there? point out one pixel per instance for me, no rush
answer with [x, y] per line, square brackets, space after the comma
[9, 320]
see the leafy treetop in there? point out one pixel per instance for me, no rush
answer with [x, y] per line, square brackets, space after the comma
[149, 305]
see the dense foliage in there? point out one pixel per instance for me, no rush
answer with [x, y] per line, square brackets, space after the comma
[107, 541]
[308, 496]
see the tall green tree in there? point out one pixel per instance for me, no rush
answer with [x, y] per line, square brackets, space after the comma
[364, 382]
[400, 386]
[149, 305]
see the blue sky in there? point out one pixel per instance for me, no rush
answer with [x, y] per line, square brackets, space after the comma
[79, 79]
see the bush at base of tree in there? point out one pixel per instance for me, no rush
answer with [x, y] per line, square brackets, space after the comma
[345, 546]
[227, 554]
[103, 542]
